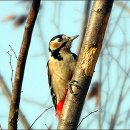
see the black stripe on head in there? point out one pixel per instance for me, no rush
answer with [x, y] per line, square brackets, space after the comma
[56, 54]
[58, 36]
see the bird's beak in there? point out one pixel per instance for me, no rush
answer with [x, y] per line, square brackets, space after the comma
[73, 37]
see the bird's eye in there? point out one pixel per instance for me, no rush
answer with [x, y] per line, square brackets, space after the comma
[59, 40]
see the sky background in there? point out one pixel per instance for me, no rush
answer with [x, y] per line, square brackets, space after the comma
[61, 18]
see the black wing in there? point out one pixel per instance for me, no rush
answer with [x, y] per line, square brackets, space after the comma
[54, 99]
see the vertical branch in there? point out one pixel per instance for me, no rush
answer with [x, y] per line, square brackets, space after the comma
[84, 22]
[86, 63]
[16, 91]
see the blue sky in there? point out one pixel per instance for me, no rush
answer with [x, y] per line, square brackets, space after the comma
[67, 15]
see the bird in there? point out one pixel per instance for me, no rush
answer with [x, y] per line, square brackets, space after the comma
[60, 68]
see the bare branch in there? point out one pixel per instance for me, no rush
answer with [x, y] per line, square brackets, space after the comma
[84, 22]
[86, 63]
[13, 51]
[47, 127]
[12, 71]
[39, 117]
[86, 117]
[10, 62]
[16, 91]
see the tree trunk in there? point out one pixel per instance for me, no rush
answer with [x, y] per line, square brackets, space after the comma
[86, 63]
[16, 91]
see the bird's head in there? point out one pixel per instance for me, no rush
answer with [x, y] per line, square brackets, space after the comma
[61, 42]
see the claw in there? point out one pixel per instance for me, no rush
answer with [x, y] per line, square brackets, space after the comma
[74, 83]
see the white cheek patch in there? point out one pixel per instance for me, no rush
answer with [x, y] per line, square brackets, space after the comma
[54, 45]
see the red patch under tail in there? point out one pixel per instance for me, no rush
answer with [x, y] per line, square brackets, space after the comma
[60, 104]
[59, 107]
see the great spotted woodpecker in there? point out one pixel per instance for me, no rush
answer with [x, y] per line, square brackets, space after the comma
[60, 68]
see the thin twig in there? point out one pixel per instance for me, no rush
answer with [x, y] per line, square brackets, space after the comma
[86, 117]
[39, 117]
[10, 62]
[47, 126]
[13, 51]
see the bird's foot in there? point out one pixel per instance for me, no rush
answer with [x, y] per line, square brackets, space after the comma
[73, 83]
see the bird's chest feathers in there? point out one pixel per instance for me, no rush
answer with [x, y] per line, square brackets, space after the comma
[59, 66]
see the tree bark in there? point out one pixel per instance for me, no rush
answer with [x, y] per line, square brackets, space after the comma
[16, 91]
[86, 63]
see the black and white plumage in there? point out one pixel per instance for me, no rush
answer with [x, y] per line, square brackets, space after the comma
[60, 68]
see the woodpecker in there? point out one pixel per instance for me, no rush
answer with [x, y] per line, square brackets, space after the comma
[60, 68]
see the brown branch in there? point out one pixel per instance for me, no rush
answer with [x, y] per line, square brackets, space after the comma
[86, 63]
[16, 91]
[39, 117]
[8, 95]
